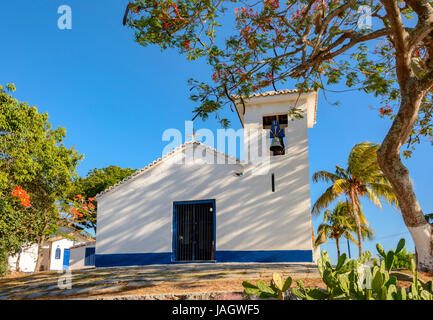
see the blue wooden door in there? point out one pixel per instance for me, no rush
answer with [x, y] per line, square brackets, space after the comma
[89, 258]
[66, 254]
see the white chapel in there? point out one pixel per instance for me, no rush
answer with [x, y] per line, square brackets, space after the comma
[224, 210]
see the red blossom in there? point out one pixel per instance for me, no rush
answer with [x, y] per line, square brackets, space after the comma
[22, 195]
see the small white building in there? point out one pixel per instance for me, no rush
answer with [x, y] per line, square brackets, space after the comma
[55, 252]
[177, 210]
[82, 256]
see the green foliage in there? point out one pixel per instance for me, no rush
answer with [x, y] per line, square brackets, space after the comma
[3, 262]
[96, 181]
[353, 280]
[276, 289]
[363, 177]
[33, 157]
[313, 44]
[338, 223]
[398, 259]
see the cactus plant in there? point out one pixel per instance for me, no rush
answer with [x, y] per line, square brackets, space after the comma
[391, 256]
[351, 280]
[276, 289]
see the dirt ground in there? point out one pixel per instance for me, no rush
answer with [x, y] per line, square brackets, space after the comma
[222, 285]
[194, 285]
[235, 285]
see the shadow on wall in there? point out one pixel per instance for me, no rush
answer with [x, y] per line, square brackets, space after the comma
[137, 216]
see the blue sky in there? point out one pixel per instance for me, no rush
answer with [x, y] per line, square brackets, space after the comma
[115, 99]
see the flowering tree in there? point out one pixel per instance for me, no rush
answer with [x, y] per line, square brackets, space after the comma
[36, 170]
[82, 212]
[80, 204]
[316, 43]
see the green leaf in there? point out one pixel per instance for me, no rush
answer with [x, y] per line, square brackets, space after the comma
[263, 287]
[316, 294]
[389, 261]
[278, 282]
[365, 257]
[251, 291]
[297, 293]
[380, 250]
[287, 284]
[249, 285]
[400, 245]
[341, 261]
[377, 282]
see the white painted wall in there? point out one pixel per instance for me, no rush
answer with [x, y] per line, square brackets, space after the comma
[77, 257]
[57, 264]
[136, 217]
[28, 259]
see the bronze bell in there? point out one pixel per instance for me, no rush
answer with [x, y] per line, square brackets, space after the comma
[277, 145]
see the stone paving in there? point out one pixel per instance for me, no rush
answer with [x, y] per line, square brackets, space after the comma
[111, 280]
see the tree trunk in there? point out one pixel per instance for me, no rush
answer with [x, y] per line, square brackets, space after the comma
[338, 247]
[17, 264]
[398, 175]
[39, 258]
[354, 200]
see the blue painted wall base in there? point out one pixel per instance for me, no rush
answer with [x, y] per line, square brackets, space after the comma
[138, 259]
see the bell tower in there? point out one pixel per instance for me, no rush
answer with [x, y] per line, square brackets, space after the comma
[267, 114]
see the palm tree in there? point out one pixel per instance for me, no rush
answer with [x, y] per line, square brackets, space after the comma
[363, 177]
[339, 223]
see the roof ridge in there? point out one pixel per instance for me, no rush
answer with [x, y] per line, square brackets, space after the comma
[159, 160]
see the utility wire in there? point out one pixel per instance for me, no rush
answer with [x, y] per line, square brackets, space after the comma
[383, 237]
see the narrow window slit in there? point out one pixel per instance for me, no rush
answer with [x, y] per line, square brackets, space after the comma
[273, 182]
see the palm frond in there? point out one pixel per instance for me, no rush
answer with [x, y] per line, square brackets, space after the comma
[350, 237]
[322, 234]
[342, 172]
[385, 192]
[362, 156]
[372, 196]
[324, 200]
[325, 176]
[367, 232]
[340, 186]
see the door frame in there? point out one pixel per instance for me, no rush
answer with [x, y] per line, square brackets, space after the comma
[174, 230]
